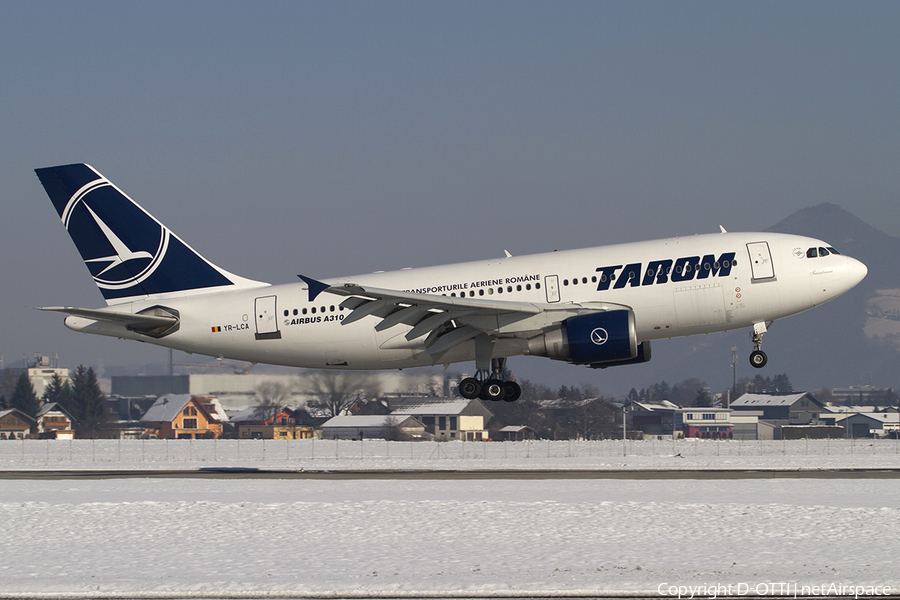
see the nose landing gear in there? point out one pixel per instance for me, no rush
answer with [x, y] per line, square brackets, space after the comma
[490, 386]
[758, 358]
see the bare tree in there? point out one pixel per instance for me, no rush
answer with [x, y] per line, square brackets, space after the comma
[392, 430]
[335, 391]
[273, 396]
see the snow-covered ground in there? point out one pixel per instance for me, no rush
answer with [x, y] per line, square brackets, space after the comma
[486, 537]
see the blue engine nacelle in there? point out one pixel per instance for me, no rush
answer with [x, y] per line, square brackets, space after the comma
[598, 339]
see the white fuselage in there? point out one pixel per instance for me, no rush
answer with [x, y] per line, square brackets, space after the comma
[770, 276]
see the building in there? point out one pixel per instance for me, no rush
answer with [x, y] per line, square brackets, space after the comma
[516, 433]
[180, 416]
[447, 419]
[706, 422]
[276, 432]
[655, 419]
[787, 409]
[862, 394]
[237, 391]
[251, 424]
[40, 373]
[55, 423]
[358, 427]
[868, 424]
[15, 425]
[746, 425]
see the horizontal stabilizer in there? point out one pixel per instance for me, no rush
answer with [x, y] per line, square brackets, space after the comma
[154, 322]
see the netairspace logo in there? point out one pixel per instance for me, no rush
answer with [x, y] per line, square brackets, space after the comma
[780, 589]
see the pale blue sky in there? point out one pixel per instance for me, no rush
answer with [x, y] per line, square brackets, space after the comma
[335, 138]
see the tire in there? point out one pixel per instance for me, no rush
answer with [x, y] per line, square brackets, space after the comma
[513, 391]
[493, 390]
[758, 359]
[469, 388]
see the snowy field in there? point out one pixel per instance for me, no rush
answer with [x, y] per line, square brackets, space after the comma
[151, 537]
[378, 454]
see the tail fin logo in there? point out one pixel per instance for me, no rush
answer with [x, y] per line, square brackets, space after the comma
[121, 244]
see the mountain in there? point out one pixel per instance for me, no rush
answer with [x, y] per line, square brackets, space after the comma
[862, 327]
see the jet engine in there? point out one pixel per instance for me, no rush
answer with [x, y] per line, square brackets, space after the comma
[598, 339]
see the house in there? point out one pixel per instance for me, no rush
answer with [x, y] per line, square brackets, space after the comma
[357, 427]
[447, 418]
[254, 423]
[55, 423]
[516, 433]
[790, 409]
[276, 432]
[15, 425]
[180, 416]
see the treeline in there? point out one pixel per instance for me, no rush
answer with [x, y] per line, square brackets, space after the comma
[80, 396]
[566, 413]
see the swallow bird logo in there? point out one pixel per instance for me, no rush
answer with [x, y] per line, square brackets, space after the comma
[120, 260]
[599, 336]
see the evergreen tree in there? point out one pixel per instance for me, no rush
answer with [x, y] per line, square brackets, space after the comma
[760, 385]
[24, 398]
[88, 403]
[703, 398]
[59, 391]
[659, 391]
[633, 396]
[7, 384]
[782, 385]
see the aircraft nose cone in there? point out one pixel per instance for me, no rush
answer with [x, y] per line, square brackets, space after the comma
[856, 271]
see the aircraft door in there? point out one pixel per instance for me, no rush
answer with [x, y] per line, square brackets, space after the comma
[551, 285]
[761, 265]
[266, 319]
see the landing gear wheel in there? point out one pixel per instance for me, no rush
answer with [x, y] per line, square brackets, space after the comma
[758, 359]
[492, 390]
[512, 391]
[469, 388]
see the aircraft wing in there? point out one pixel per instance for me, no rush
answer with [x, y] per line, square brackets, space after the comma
[446, 321]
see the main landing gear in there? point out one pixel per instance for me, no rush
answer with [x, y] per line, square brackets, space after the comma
[490, 386]
[758, 358]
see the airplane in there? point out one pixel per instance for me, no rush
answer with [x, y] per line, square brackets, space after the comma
[597, 307]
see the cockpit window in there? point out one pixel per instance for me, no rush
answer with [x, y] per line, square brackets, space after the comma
[823, 252]
[812, 253]
[833, 251]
